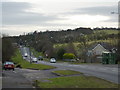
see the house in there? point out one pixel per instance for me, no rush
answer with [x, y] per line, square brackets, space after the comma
[95, 52]
[98, 50]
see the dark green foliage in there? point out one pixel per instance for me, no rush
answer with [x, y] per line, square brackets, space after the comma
[44, 46]
[71, 49]
[44, 41]
[7, 49]
[118, 50]
[69, 56]
[60, 53]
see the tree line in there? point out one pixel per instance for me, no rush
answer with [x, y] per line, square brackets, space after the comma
[45, 41]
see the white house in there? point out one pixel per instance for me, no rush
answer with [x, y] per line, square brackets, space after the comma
[98, 50]
[95, 53]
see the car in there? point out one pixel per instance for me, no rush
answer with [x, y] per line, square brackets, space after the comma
[34, 60]
[25, 55]
[8, 65]
[52, 60]
[40, 58]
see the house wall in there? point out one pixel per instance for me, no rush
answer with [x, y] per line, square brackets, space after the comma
[98, 50]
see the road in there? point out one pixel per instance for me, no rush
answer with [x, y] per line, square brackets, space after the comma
[107, 72]
[13, 79]
[23, 78]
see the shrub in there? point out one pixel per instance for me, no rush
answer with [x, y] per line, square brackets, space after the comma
[60, 53]
[69, 56]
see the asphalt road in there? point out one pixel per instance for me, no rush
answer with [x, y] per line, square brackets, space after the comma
[107, 72]
[13, 79]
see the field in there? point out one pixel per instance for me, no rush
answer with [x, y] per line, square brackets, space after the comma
[109, 31]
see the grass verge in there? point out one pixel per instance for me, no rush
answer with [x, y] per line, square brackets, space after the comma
[77, 82]
[66, 72]
[17, 58]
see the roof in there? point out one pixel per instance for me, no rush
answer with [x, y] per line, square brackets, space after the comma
[98, 45]
[107, 46]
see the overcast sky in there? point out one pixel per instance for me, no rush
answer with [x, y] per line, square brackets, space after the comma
[19, 16]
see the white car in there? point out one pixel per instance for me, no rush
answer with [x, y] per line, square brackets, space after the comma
[34, 60]
[25, 55]
[52, 60]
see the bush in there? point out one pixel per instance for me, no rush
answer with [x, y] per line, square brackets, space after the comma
[60, 53]
[69, 56]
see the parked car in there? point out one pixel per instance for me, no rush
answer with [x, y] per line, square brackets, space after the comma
[8, 65]
[52, 60]
[40, 58]
[34, 60]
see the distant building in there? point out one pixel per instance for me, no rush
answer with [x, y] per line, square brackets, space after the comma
[95, 52]
[98, 50]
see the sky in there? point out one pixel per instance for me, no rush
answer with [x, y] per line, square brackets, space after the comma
[24, 16]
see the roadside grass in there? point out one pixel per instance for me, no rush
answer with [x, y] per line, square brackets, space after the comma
[77, 82]
[66, 72]
[17, 58]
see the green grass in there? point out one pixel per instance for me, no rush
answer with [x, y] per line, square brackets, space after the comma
[77, 82]
[66, 72]
[19, 60]
[109, 31]
[111, 41]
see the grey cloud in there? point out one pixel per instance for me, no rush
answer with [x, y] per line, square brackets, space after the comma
[100, 10]
[14, 13]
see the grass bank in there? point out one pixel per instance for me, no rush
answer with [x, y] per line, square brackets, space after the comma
[17, 58]
[77, 82]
